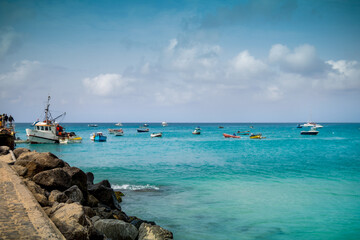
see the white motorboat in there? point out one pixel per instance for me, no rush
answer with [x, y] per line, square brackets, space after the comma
[118, 124]
[49, 131]
[164, 124]
[312, 124]
[156, 135]
[312, 131]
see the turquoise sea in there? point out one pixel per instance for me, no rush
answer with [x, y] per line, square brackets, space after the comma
[286, 186]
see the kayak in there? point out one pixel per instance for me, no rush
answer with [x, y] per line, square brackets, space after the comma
[230, 136]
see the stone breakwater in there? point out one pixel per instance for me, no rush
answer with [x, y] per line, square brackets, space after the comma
[80, 208]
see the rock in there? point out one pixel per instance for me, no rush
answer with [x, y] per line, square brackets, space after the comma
[90, 178]
[103, 212]
[19, 151]
[78, 178]
[89, 211]
[92, 201]
[153, 232]
[118, 196]
[37, 162]
[53, 179]
[57, 196]
[38, 192]
[20, 170]
[137, 222]
[120, 215]
[75, 194]
[116, 229]
[95, 218]
[71, 220]
[4, 150]
[104, 193]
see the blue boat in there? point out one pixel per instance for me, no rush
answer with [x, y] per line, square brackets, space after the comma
[98, 137]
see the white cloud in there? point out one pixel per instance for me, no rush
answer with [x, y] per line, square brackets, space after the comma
[108, 85]
[8, 40]
[302, 60]
[247, 66]
[23, 74]
[345, 75]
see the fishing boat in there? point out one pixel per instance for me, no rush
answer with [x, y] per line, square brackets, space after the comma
[116, 132]
[49, 131]
[256, 136]
[312, 131]
[119, 133]
[230, 136]
[142, 130]
[164, 124]
[196, 131]
[156, 135]
[118, 124]
[92, 125]
[98, 137]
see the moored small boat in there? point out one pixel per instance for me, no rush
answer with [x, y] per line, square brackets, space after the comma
[196, 131]
[92, 125]
[243, 132]
[142, 130]
[298, 126]
[230, 136]
[312, 131]
[116, 132]
[164, 124]
[98, 137]
[156, 135]
[221, 127]
[118, 124]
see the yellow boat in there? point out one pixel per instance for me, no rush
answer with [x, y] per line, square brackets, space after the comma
[256, 136]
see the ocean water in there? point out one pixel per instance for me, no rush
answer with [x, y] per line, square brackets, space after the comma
[286, 186]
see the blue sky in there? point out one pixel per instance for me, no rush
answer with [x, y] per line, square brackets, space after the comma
[181, 61]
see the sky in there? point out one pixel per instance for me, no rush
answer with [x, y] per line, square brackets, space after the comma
[181, 61]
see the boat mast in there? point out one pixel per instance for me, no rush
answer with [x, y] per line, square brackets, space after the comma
[47, 109]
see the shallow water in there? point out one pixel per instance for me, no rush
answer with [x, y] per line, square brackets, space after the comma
[286, 186]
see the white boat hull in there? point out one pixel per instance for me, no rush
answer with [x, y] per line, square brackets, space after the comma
[41, 137]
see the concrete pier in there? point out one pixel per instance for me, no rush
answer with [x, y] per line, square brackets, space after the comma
[21, 216]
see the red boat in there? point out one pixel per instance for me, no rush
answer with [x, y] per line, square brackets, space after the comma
[230, 136]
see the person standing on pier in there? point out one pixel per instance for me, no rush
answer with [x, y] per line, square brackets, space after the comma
[11, 120]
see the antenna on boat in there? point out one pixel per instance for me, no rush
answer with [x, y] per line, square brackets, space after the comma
[47, 109]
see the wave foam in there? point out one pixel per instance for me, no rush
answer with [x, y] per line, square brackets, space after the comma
[146, 187]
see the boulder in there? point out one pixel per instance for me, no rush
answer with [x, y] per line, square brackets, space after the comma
[19, 151]
[116, 229]
[71, 220]
[137, 222]
[4, 150]
[78, 178]
[53, 179]
[37, 162]
[89, 211]
[92, 201]
[57, 196]
[38, 192]
[118, 196]
[90, 178]
[104, 193]
[20, 170]
[75, 194]
[153, 232]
